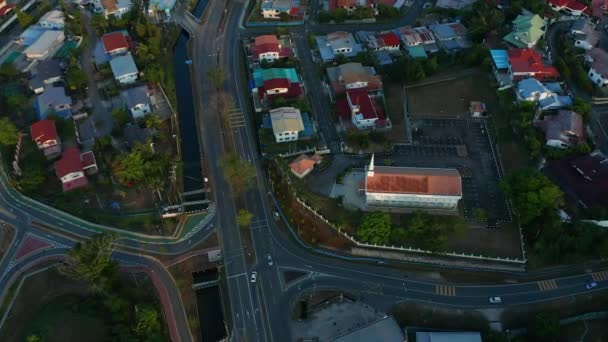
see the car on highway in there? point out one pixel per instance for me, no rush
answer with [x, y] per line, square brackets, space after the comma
[276, 215]
[495, 300]
[269, 258]
[254, 276]
[590, 285]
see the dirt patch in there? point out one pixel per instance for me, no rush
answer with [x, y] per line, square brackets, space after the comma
[449, 97]
[393, 95]
[34, 295]
[8, 232]
[502, 242]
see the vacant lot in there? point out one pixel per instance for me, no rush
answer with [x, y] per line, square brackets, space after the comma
[393, 95]
[449, 97]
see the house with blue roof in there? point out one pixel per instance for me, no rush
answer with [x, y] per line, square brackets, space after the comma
[546, 98]
[53, 101]
[262, 75]
[500, 67]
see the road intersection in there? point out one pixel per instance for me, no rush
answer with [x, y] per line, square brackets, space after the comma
[258, 310]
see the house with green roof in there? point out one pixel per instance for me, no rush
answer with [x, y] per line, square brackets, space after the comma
[528, 29]
[261, 75]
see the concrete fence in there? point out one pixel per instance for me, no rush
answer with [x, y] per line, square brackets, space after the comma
[478, 257]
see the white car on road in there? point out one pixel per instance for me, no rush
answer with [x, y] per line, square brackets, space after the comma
[269, 258]
[254, 276]
[495, 300]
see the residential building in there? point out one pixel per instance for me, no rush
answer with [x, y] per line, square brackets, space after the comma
[286, 123]
[116, 8]
[451, 36]
[410, 187]
[73, 167]
[418, 42]
[454, 4]
[362, 108]
[277, 81]
[352, 76]
[161, 6]
[269, 48]
[44, 134]
[137, 100]
[584, 34]
[53, 20]
[383, 41]
[304, 164]
[571, 7]
[597, 59]
[528, 29]
[547, 96]
[524, 63]
[46, 73]
[5, 8]
[501, 68]
[349, 5]
[115, 43]
[460, 336]
[272, 9]
[46, 45]
[53, 100]
[564, 129]
[337, 43]
[124, 69]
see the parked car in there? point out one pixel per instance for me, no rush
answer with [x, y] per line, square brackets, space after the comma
[269, 258]
[276, 215]
[254, 276]
[590, 285]
[495, 300]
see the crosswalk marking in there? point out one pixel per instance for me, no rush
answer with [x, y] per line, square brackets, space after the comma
[547, 285]
[236, 118]
[600, 276]
[445, 290]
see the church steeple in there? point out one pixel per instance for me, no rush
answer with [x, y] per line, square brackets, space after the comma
[370, 168]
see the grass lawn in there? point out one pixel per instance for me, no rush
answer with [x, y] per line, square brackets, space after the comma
[69, 318]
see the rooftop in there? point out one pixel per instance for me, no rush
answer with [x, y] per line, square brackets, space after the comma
[286, 119]
[123, 65]
[411, 180]
[70, 162]
[43, 130]
[136, 95]
[304, 163]
[114, 41]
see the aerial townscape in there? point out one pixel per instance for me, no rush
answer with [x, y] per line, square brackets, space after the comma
[304, 170]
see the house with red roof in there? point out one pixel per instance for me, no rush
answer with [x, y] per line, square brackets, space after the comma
[115, 43]
[280, 87]
[268, 47]
[349, 5]
[571, 7]
[411, 187]
[362, 108]
[304, 164]
[73, 167]
[388, 41]
[44, 134]
[5, 8]
[524, 63]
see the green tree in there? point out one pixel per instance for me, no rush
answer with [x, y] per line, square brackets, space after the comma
[121, 116]
[238, 172]
[148, 324]
[431, 232]
[153, 121]
[284, 16]
[130, 167]
[340, 14]
[91, 261]
[387, 12]
[8, 71]
[533, 195]
[100, 23]
[16, 101]
[76, 78]
[324, 17]
[31, 178]
[375, 228]
[33, 338]
[243, 218]
[583, 108]
[9, 135]
[24, 19]
[545, 327]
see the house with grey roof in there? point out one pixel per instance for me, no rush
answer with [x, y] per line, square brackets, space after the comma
[337, 43]
[137, 100]
[46, 73]
[124, 69]
[564, 129]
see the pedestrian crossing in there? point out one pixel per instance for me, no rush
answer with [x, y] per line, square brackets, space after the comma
[258, 224]
[547, 285]
[235, 118]
[599, 276]
[445, 290]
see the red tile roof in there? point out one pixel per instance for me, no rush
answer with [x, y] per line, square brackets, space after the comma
[43, 131]
[114, 41]
[529, 62]
[70, 162]
[405, 180]
[264, 44]
[360, 97]
[88, 159]
[293, 89]
[570, 4]
[276, 83]
[304, 163]
[390, 39]
[4, 10]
